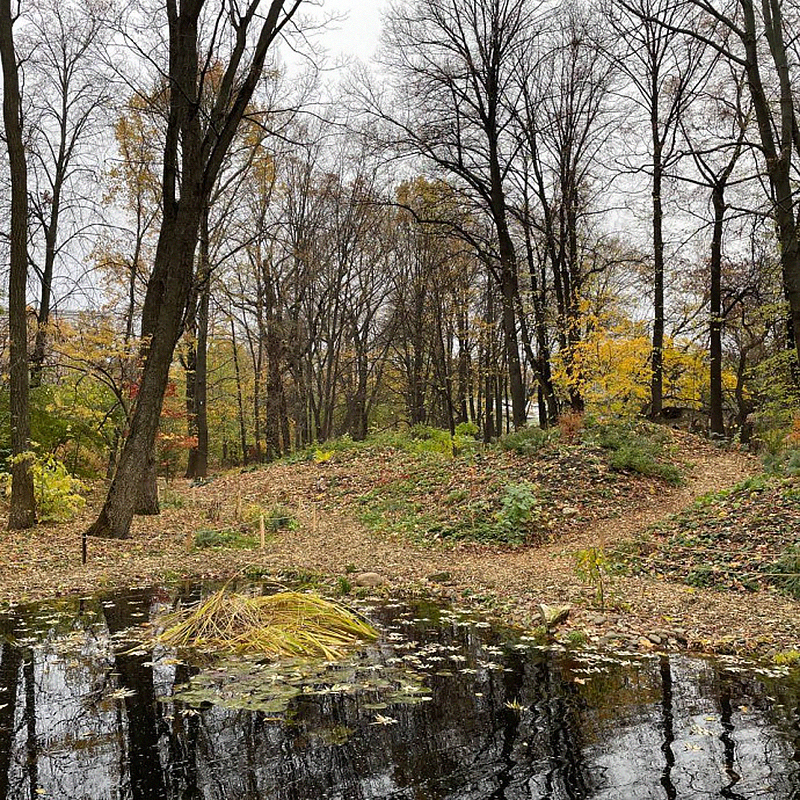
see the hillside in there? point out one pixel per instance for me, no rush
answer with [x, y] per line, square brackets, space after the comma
[500, 528]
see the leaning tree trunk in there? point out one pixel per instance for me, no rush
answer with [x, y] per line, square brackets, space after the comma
[192, 162]
[173, 265]
[46, 296]
[23, 506]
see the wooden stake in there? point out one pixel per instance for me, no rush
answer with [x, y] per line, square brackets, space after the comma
[262, 531]
[239, 499]
[84, 548]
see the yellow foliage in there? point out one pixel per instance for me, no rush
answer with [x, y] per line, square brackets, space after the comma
[611, 367]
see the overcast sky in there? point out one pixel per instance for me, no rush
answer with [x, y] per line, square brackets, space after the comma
[358, 34]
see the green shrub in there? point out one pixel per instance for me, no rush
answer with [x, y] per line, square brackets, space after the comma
[787, 658]
[467, 429]
[783, 462]
[529, 441]
[171, 499]
[635, 447]
[431, 440]
[519, 506]
[276, 517]
[57, 493]
[592, 566]
[634, 457]
[576, 638]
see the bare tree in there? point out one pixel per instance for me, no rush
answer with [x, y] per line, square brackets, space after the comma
[456, 62]
[564, 121]
[779, 134]
[664, 69]
[715, 134]
[69, 93]
[23, 507]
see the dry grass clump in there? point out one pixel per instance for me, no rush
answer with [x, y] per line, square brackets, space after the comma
[282, 624]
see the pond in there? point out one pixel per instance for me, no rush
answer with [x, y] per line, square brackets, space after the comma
[442, 706]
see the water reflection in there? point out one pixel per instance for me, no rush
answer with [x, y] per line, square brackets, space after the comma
[83, 716]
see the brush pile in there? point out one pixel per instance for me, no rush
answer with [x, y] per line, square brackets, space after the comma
[279, 625]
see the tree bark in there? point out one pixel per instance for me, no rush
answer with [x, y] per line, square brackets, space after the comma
[657, 351]
[717, 422]
[239, 398]
[23, 505]
[198, 423]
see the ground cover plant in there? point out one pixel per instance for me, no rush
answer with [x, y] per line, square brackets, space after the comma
[745, 538]
[529, 487]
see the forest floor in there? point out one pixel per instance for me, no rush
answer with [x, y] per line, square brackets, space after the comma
[431, 524]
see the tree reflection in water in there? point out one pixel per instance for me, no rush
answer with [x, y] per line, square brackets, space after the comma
[80, 718]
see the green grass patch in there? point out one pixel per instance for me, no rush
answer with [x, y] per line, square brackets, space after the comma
[224, 537]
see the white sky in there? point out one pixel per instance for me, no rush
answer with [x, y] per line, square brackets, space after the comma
[357, 36]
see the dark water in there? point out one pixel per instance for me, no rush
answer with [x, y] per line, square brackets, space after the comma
[442, 707]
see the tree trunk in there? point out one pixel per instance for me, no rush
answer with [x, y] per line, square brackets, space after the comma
[239, 398]
[198, 454]
[715, 315]
[133, 489]
[657, 352]
[23, 505]
[51, 238]
[508, 297]
[778, 158]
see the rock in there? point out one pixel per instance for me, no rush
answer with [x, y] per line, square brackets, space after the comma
[598, 619]
[440, 577]
[570, 511]
[654, 638]
[553, 615]
[369, 579]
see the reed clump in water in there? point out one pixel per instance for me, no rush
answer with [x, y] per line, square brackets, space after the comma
[279, 625]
